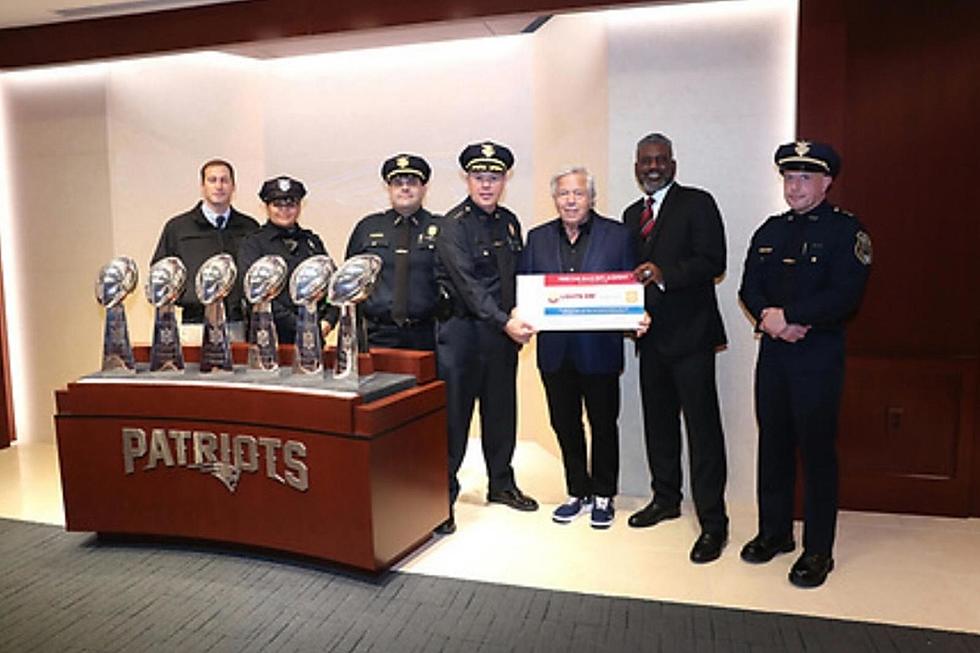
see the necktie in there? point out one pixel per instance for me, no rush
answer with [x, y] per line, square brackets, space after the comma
[505, 266]
[220, 221]
[646, 218]
[399, 303]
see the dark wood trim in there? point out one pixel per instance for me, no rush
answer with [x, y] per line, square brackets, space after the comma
[240, 22]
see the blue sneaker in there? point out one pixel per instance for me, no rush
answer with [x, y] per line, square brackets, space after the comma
[603, 512]
[572, 508]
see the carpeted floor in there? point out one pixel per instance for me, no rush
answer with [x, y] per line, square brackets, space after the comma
[72, 592]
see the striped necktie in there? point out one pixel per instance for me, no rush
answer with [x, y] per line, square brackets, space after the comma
[646, 218]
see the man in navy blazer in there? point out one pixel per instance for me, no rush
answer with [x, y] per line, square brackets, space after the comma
[680, 241]
[582, 366]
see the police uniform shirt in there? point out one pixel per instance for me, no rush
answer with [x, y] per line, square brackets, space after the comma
[812, 265]
[477, 263]
[379, 234]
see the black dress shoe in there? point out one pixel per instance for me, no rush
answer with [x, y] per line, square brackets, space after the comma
[513, 498]
[653, 514]
[708, 547]
[447, 527]
[763, 548]
[811, 570]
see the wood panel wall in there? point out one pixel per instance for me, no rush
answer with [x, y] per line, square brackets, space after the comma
[895, 86]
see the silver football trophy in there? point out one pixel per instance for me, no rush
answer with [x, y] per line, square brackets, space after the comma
[116, 280]
[214, 281]
[350, 285]
[163, 288]
[306, 288]
[263, 282]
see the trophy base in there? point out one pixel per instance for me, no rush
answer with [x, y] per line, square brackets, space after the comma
[370, 387]
[260, 373]
[116, 366]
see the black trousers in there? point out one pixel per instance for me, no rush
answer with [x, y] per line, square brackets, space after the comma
[566, 390]
[479, 362]
[797, 403]
[671, 386]
[420, 336]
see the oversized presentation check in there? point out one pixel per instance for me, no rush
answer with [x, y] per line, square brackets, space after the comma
[580, 301]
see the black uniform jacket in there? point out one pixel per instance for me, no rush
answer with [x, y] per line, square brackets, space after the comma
[191, 238]
[473, 248]
[813, 265]
[295, 246]
[688, 244]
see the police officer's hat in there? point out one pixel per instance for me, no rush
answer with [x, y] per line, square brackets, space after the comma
[283, 187]
[486, 157]
[405, 164]
[808, 156]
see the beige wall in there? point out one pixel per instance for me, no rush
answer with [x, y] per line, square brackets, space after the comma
[99, 156]
[55, 237]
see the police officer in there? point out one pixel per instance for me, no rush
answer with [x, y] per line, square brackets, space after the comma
[479, 247]
[401, 310]
[282, 235]
[805, 272]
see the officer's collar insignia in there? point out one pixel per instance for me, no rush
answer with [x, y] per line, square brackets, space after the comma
[432, 230]
[488, 150]
[402, 162]
[802, 148]
[283, 184]
[862, 248]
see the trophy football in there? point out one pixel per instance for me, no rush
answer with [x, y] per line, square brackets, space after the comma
[214, 281]
[116, 280]
[306, 288]
[350, 285]
[263, 282]
[163, 288]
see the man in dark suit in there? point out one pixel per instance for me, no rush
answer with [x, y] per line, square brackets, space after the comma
[582, 366]
[211, 227]
[680, 242]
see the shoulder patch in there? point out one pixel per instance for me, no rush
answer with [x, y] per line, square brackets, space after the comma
[862, 247]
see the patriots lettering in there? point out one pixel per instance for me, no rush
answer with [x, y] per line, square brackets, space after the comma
[221, 455]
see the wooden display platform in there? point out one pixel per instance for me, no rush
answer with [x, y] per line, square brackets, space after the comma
[299, 470]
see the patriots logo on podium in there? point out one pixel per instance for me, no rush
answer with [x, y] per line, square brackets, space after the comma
[224, 472]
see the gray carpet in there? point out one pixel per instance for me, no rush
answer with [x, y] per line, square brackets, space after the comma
[72, 592]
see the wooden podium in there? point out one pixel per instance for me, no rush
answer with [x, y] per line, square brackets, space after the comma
[300, 470]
